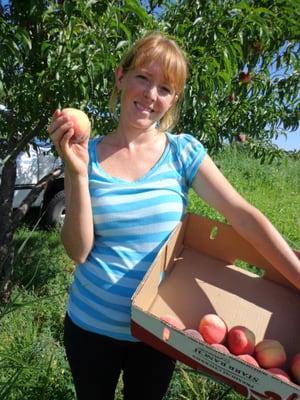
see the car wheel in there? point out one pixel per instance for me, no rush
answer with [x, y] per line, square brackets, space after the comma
[55, 211]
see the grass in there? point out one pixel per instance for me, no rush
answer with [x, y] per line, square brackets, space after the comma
[32, 360]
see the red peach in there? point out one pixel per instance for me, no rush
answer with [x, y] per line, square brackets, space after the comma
[270, 353]
[232, 97]
[193, 333]
[241, 340]
[257, 45]
[249, 359]
[295, 367]
[280, 373]
[81, 123]
[213, 328]
[244, 78]
[220, 347]
[174, 321]
[242, 137]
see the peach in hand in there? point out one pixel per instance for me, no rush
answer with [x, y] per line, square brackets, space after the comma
[295, 367]
[81, 123]
[241, 340]
[270, 353]
[213, 328]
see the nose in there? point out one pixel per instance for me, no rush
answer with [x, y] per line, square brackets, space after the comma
[151, 92]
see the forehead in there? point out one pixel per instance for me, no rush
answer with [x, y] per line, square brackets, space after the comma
[156, 69]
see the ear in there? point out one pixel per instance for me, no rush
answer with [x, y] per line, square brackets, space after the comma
[119, 77]
[175, 99]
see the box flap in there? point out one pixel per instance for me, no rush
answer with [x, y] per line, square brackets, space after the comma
[221, 241]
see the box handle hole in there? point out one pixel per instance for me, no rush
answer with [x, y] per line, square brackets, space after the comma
[213, 233]
[166, 334]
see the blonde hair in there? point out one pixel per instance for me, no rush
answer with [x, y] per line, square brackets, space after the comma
[156, 46]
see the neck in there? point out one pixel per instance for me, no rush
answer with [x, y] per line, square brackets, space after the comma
[129, 136]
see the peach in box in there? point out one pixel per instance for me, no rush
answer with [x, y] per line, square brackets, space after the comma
[280, 373]
[248, 359]
[200, 279]
[295, 367]
[193, 333]
[213, 328]
[81, 123]
[270, 353]
[241, 340]
[174, 321]
[220, 347]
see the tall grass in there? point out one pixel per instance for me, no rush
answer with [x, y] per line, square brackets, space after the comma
[274, 189]
[32, 359]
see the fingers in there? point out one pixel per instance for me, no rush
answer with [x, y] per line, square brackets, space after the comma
[55, 115]
[59, 124]
[59, 128]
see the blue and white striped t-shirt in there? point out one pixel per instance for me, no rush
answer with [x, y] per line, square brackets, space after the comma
[132, 221]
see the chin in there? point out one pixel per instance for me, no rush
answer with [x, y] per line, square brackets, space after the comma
[145, 125]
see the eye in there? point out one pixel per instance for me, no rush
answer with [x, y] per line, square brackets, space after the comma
[143, 77]
[166, 89]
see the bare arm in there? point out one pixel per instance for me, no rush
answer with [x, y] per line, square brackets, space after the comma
[247, 220]
[77, 232]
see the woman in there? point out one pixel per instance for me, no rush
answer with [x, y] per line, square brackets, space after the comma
[125, 193]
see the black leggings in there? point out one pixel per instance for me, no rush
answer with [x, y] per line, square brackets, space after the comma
[96, 362]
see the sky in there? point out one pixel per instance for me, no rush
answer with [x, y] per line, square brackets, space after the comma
[292, 142]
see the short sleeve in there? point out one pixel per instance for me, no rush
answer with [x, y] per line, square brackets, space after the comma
[192, 153]
[92, 150]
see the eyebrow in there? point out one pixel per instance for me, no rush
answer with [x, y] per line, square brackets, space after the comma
[145, 70]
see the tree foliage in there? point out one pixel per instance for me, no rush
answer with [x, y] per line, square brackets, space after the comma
[244, 69]
[61, 53]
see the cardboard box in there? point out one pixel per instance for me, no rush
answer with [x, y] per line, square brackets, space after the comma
[194, 274]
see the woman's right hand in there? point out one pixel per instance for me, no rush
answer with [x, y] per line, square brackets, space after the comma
[75, 155]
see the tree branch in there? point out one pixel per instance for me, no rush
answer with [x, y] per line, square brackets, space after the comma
[21, 211]
[19, 146]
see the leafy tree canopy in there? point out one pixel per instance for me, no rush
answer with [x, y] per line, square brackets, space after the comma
[244, 68]
[58, 53]
[243, 55]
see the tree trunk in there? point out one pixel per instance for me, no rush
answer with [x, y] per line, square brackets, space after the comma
[8, 178]
[10, 220]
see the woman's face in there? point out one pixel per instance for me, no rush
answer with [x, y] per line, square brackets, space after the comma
[145, 95]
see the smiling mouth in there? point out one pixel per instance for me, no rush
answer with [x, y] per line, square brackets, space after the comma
[142, 108]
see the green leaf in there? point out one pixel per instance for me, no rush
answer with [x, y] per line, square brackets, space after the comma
[126, 31]
[1, 89]
[122, 43]
[134, 6]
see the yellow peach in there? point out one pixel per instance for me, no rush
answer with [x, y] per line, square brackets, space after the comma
[220, 347]
[173, 321]
[270, 353]
[81, 123]
[248, 359]
[193, 333]
[280, 373]
[213, 328]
